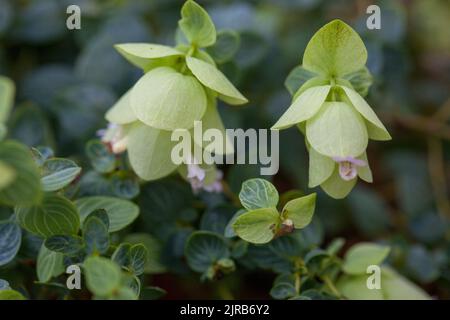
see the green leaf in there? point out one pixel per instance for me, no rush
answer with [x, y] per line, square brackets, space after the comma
[49, 264]
[375, 128]
[360, 80]
[226, 46]
[10, 240]
[335, 50]
[320, 168]
[7, 90]
[26, 187]
[196, 25]
[138, 256]
[121, 112]
[102, 276]
[229, 231]
[355, 288]
[362, 255]
[100, 214]
[10, 294]
[121, 254]
[397, 287]
[147, 56]
[120, 212]
[300, 210]
[55, 216]
[297, 78]
[203, 249]
[95, 235]
[152, 293]
[154, 248]
[257, 226]
[304, 107]
[282, 291]
[167, 100]
[337, 130]
[212, 78]
[57, 173]
[336, 187]
[7, 175]
[101, 158]
[258, 193]
[68, 245]
[149, 151]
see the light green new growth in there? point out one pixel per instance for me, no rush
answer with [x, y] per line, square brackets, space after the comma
[330, 111]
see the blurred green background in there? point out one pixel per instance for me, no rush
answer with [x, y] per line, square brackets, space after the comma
[67, 79]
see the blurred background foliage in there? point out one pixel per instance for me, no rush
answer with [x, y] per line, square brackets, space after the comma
[67, 79]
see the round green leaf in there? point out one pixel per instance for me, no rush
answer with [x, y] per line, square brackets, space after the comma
[196, 25]
[335, 50]
[49, 264]
[10, 294]
[65, 244]
[7, 175]
[149, 151]
[362, 255]
[121, 112]
[226, 46]
[337, 130]
[203, 249]
[304, 107]
[120, 212]
[56, 215]
[258, 193]
[168, 100]
[102, 276]
[397, 287]
[95, 235]
[26, 187]
[138, 256]
[212, 78]
[10, 240]
[257, 226]
[300, 210]
[58, 173]
[101, 158]
[153, 264]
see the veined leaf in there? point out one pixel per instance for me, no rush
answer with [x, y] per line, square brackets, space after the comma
[257, 226]
[56, 215]
[95, 235]
[335, 50]
[196, 25]
[226, 46]
[304, 107]
[337, 130]
[49, 264]
[121, 112]
[212, 78]
[26, 187]
[167, 100]
[203, 249]
[7, 175]
[138, 256]
[149, 151]
[57, 173]
[101, 158]
[154, 248]
[258, 193]
[148, 55]
[65, 244]
[120, 212]
[300, 210]
[10, 240]
[362, 255]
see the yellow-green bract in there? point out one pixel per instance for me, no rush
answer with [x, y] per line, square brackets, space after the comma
[180, 86]
[335, 119]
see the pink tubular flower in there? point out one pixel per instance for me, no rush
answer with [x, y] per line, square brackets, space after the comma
[114, 136]
[348, 167]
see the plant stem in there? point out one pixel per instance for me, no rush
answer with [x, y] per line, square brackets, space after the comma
[331, 286]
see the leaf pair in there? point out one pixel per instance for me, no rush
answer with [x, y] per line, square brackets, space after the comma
[262, 222]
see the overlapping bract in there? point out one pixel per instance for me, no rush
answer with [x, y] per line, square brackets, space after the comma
[180, 86]
[335, 119]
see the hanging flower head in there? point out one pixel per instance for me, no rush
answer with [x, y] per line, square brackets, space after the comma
[334, 117]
